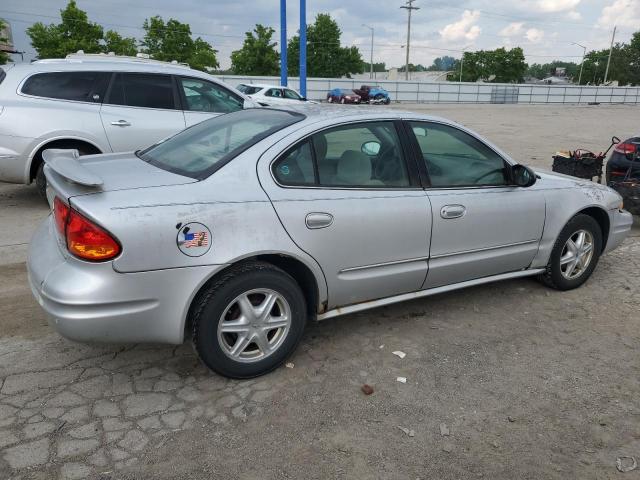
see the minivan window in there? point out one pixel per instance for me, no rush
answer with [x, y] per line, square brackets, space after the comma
[78, 86]
[199, 151]
[147, 90]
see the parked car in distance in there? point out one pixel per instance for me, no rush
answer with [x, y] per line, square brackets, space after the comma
[272, 95]
[624, 162]
[242, 228]
[342, 95]
[373, 94]
[99, 104]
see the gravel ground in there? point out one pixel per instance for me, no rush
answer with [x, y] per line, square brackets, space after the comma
[509, 380]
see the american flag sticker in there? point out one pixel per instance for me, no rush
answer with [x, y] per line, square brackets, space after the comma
[196, 239]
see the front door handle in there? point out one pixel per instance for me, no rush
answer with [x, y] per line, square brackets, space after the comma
[121, 123]
[452, 211]
[317, 220]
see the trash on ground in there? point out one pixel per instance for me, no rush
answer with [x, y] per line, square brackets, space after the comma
[511, 419]
[289, 365]
[410, 433]
[366, 389]
[626, 464]
[381, 346]
[444, 430]
[400, 354]
[402, 379]
[447, 447]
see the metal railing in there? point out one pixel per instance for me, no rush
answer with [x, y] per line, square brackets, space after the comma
[457, 92]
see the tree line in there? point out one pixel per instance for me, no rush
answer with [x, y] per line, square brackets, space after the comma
[326, 57]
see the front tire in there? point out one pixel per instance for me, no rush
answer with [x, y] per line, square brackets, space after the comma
[575, 254]
[248, 321]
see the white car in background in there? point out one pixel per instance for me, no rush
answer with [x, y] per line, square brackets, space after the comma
[99, 104]
[267, 95]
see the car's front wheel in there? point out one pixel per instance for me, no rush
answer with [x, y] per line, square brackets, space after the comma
[575, 254]
[248, 321]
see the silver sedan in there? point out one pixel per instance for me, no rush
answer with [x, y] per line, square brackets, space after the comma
[242, 228]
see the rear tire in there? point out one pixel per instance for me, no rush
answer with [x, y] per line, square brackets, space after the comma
[575, 254]
[231, 331]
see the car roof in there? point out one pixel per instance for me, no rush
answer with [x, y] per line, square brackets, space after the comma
[107, 63]
[319, 112]
[265, 85]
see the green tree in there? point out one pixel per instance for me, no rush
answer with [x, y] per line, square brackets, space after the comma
[499, 66]
[377, 67]
[172, 41]
[75, 32]
[258, 55]
[4, 56]
[595, 66]
[541, 71]
[114, 42]
[325, 56]
[442, 64]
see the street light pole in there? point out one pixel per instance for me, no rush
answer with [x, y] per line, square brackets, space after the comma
[409, 7]
[606, 72]
[371, 59]
[584, 53]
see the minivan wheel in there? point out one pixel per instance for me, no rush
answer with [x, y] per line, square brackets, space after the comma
[248, 321]
[575, 254]
[41, 181]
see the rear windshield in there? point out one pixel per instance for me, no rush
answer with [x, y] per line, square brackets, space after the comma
[199, 151]
[248, 89]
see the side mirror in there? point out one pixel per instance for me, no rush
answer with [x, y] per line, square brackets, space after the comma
[370, 148]
[522, 176]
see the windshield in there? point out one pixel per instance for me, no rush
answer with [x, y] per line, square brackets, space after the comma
[199, 151]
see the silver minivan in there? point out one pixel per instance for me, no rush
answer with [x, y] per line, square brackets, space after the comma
[99, 104]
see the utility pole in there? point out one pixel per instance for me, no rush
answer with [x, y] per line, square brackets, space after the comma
[371, 60]
[584, 53]
[303, 48]
[283, 43]
[606, 72]
[409, 6]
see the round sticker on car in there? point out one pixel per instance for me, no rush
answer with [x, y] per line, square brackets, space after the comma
[194, 239]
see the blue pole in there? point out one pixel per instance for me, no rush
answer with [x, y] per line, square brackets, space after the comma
[303, 48]
[283, 43]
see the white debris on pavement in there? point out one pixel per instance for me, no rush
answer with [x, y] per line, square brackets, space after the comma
[400, 354]
[410, 433]
[401, 379]
[444, 430]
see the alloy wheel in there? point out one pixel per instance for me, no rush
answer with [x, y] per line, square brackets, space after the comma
[254, 325]
[577, 254]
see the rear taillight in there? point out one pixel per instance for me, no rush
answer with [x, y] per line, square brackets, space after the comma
[625, 148]
[84, 239]
[61, 215]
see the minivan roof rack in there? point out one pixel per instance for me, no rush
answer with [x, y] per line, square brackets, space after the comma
[112, 57]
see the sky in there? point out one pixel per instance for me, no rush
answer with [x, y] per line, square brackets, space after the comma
[545, 29]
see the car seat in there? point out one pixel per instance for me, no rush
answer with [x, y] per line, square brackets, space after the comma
[354, 169]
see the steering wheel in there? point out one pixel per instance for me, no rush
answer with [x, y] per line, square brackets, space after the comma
[490, 172]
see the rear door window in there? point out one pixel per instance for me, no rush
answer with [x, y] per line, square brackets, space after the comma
[77, 86]
[146, 90]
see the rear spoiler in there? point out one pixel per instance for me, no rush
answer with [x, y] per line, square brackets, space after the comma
[65, 163]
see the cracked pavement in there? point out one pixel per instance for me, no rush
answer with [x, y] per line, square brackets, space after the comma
[528, 382]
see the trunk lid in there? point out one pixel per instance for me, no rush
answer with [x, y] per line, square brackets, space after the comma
[70, 175]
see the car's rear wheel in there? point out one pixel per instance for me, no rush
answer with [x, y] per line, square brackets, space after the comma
[575, 254]
[247, 322]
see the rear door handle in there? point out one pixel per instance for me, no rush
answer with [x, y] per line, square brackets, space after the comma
[317, 220]
[452, 211]
[121, 123]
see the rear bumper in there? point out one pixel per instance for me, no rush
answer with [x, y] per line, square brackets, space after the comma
[621, 222]
[91, 302]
